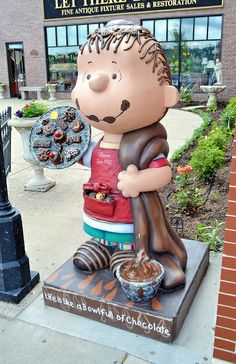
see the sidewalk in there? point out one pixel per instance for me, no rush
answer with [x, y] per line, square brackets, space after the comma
[33, 333]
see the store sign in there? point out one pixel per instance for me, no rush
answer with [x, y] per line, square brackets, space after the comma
[59, 9]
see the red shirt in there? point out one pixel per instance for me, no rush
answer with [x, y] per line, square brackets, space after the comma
[105, 167]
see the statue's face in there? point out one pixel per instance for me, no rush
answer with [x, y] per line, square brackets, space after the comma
[119, 92]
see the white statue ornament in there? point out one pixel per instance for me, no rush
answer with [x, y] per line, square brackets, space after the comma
[218, 72]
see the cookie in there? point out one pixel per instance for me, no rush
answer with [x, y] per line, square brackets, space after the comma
[73, 139]
[63, 125]
[69, 115]
[71, 152]
[45, 121]
[38, 130]
[56, 157]
[59, 136]
[43, 154]
[77, 126]
[49, 129]
[40, 143]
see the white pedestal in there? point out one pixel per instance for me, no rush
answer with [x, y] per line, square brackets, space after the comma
[212, 92]
[39, 183]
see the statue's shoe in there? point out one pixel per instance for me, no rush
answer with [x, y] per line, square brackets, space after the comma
[174, 275]
[118, 258]
[92, 256]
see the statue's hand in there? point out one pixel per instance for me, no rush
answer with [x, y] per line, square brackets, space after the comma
[128, 181]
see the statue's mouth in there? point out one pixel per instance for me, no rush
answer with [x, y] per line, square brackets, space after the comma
[125, 104]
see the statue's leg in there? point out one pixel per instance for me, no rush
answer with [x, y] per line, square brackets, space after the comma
[92, 256]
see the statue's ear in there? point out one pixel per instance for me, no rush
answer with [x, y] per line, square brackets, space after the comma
[171, 96]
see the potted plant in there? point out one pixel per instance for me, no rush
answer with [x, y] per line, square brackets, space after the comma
[2, 89]
[51, 85]
[22, 121]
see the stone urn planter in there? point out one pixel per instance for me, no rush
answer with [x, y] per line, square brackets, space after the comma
[39, 182]
[2, 89]
[52, 91]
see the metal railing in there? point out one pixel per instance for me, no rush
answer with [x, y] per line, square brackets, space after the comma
[6, 138]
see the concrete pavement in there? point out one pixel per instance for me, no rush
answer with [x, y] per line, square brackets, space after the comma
[33, 333]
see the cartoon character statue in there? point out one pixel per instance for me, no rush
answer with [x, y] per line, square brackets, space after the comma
[124, 89]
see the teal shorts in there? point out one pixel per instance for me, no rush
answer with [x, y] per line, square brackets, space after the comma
[107, 235]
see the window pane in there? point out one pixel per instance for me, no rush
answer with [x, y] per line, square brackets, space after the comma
[187, 29]
[160, 30]
[63, 67]
[197, 63]
[72, 37]
[82, 32]
[173, 29]
[92, 27]
[149, 24]
[61, 36]
[215, 23]
[171, 50]
[200, 30]
[51, 37]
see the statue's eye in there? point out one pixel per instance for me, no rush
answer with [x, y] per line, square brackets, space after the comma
[114, 76]
[88, 76]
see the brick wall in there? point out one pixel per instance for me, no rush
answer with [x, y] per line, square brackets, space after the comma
[225, 333]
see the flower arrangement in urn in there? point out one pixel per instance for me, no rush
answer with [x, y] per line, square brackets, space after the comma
[33, 109]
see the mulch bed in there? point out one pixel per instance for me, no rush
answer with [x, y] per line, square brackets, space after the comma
[216, 205]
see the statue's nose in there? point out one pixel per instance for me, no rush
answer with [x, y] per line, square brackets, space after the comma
[99, 81]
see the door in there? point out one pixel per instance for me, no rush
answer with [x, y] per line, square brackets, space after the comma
[16, 68]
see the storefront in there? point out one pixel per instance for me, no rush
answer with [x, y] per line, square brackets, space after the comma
[45, 37]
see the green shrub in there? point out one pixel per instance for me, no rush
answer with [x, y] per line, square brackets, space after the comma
[228, 117]
[210, 234]
[186, 96]
[189, 198]
[196, 134]
[210, 153]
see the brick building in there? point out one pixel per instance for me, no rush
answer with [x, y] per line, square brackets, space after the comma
[39, 39]
[225, 331]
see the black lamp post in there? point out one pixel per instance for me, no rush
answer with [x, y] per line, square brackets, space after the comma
[16, 280]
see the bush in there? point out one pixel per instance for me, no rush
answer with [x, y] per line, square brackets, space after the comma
[187, 196]
[185, 95]
[228, 117]
[210, 234]
[210, 153]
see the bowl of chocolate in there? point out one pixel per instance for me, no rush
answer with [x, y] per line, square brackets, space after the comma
[140, 280]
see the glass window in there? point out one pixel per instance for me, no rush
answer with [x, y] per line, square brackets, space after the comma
[63, 67]
[215, 25]
[61, 36]
[72, 35]
[149, 24]
[187, 29]
[51, 37]
[82, 32]
[198, 62]
[171, 50]
[160, 30]
[200, 29]
[173, 29]
[92, 27]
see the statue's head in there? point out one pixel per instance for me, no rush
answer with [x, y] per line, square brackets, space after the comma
[124, 80]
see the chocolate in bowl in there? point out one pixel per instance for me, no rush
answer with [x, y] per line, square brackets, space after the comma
[140, 283]
[145, 271]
